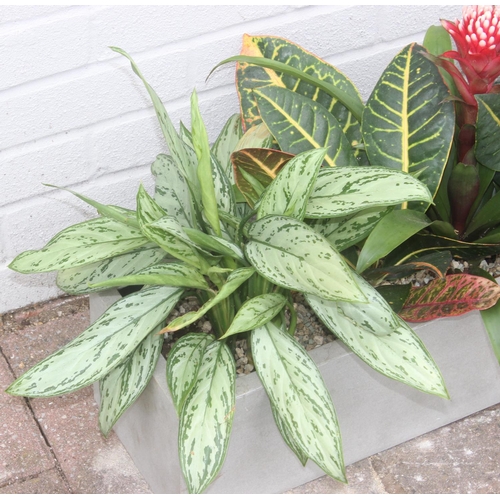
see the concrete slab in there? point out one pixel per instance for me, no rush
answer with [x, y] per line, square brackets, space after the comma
[6, 378]
[361, 477]
[46, 483]
[23, 451]
[461, 458]
[90, 462]
[30, 335]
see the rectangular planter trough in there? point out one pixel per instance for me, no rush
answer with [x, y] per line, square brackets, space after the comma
[374, 412]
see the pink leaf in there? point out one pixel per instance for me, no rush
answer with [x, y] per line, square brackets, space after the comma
[455, 295]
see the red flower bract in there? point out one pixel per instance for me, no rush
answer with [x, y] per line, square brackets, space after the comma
[477, 37]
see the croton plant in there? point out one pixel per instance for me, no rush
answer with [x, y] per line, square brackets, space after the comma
[309, 191]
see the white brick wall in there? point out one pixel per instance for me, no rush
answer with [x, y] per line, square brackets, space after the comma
[73, 113]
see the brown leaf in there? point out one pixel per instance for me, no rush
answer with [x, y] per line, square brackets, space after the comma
[262, 164]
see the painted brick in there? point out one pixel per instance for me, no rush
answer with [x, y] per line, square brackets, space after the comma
[137, 140]
[46, 49]
[60, 164]
[16, 13]
[142, 28]
[25, 289]
[84, 101]
[397, 20]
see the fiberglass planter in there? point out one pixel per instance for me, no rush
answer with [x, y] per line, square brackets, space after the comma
[375, 413]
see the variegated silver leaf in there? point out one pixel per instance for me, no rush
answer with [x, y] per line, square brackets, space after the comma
[183, 363]
[215, 244]
[184, 156]
[78, 280]
[287, 435]
[101, 347]
[381, 339]
[84, 243]
[226, 143]
[169, 235]
[125, 383]
[346, 190]
[290, 190]
[223, 188]
[169, 274]
[172, 191]
[343, 232]
[148, 210]
[299, 396]
[120, 214]
[207, 418]
[290, 254]
[256, 312]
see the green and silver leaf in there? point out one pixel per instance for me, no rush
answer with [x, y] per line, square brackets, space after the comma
[183, 363]
[287, 436]
[381, 339]
[78, 280]
[343, 191]
[168, 234]
[215, 244]
[148, 210]
[169, 274]
[120, 214]
[256, 312]
[183, 155]
[290, 254]
[233, 281]
[101, 347]
[204, 170]
[299, 396]
[172, 191]
[204, 435]
[343, 232]
[84, 243]
[289, 192]
[125, 383]
[226, 143]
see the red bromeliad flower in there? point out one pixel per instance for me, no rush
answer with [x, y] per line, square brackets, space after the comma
[477, 37]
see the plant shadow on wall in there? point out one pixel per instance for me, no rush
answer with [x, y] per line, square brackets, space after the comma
[307, 191]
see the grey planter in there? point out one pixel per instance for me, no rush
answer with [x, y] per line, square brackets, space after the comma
[375, 413]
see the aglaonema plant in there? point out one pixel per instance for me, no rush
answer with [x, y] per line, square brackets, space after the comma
[198, 237]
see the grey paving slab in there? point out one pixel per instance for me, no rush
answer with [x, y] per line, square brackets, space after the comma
[47, 483]
[361, 477]
[461, 458]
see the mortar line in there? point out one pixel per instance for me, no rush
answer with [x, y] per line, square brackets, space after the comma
[57, 465]
[22, 480]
